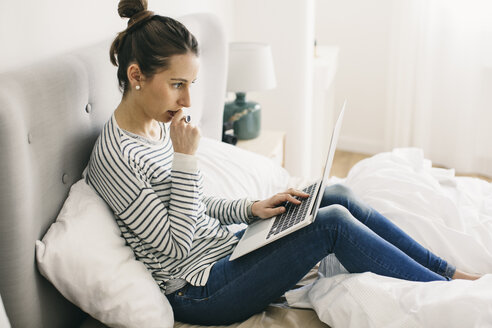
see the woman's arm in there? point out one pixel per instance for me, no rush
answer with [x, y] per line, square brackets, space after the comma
[274, 205]
[166, 228]
[244, 210]
[229, 211]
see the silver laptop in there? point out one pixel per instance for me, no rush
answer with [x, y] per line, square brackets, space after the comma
[263, 232]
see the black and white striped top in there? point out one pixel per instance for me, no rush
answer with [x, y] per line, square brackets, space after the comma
[157, 198]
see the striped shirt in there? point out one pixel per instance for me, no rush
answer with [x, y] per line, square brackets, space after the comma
[157, 198]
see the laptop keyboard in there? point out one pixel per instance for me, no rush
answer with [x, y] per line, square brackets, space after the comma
[293, 213]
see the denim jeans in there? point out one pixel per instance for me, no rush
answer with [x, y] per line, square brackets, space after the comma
[360, 237]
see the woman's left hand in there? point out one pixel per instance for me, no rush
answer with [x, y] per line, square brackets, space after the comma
[270, 207]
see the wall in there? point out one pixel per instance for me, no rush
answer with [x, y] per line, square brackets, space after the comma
[32, 30]
[362, 31]
[288, 26]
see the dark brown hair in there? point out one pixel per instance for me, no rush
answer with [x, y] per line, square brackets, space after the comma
[149, 40]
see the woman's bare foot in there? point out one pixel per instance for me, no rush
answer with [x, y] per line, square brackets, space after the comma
[465, 275]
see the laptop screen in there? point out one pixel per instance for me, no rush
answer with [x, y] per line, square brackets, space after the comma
[329, 158]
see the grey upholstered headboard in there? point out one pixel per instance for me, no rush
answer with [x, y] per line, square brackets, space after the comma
[50, 116]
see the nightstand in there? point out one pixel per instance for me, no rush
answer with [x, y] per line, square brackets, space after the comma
[269, 143]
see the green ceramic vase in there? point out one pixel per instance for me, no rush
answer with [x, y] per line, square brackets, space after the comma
[246, 116]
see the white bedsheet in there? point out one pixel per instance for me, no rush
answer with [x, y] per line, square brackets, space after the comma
[452, 216]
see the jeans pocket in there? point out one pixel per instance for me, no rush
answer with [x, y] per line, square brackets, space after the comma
[191, 293]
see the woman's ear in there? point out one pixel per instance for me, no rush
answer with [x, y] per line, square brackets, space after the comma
[135, 76]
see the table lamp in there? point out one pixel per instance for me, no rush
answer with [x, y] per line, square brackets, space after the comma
[250, 69]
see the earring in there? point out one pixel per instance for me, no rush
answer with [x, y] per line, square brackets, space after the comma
[137, 87]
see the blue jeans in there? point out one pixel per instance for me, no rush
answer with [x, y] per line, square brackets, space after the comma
[361, 238]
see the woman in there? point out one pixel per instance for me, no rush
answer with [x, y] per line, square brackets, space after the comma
[148, 174]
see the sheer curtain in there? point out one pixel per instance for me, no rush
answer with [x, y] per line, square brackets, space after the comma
[441, 81]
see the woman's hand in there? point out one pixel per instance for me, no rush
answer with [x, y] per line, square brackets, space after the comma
[184, 136]
[270, 207]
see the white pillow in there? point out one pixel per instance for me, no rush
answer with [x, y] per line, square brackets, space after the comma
[232, 172]
[4, 320]
[86, 259]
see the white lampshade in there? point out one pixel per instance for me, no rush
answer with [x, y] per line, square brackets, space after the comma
[250, 67]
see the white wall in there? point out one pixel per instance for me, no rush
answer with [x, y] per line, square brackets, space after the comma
[288, 26]
[31, 30]
[362, 31]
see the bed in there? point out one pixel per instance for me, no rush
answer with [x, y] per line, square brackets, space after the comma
[50, 116]
[57, 270]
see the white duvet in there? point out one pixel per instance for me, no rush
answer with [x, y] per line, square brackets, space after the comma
[452, 216]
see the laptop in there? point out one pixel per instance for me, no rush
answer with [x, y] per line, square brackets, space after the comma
[262, 232]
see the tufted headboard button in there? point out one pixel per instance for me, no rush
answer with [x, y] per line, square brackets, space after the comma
[88, 108]
[65, 178]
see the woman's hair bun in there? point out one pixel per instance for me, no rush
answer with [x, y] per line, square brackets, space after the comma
[129, 8]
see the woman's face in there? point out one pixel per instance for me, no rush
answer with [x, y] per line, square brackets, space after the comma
[169, 91]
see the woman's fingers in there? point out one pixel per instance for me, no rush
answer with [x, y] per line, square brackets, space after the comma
[282, 198]
[178, 116]
[295, 192]
[291, 199]
[275, 211]
[275, 205]
[279, 203]
[185, 137]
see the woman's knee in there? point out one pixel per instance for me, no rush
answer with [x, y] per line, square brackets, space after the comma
[337, 194]
[334, 215]
[339, 189]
